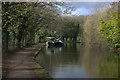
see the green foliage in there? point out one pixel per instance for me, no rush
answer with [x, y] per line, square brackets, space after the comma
[110, 29]
[24, 20]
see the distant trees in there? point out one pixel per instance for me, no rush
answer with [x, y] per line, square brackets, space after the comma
[91, 35]
[69, 27]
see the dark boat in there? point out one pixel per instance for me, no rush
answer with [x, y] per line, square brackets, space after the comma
[51, 41]
[58, 43]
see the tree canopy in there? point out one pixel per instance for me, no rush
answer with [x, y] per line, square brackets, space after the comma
[24, 20]
[110, 28]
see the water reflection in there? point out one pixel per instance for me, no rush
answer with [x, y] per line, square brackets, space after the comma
[76, 61]
[53, 50]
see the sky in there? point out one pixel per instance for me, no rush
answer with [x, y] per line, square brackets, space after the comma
[86, 8]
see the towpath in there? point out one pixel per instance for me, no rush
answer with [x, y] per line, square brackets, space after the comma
[20, 64]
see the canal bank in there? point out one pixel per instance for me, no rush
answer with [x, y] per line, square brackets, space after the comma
[21, 64]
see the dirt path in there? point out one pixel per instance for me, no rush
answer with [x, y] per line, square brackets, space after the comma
[19, 65]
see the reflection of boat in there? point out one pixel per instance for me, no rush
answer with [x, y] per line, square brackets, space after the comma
[53, 50]
[51, 41]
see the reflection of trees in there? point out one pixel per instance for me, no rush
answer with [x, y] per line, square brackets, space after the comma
[89, 62]
[70, 47]
[109, 68]
[67, 56]
[97, 63]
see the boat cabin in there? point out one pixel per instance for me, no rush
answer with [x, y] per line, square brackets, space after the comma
[50, 38]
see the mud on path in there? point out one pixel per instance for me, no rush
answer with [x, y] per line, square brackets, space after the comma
[19, 64]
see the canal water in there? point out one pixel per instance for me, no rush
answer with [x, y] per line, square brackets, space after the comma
[78, 61]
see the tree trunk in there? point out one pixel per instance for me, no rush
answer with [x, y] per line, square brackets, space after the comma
[14, 38]
[5, 39]
[75, 38]
[19, 38]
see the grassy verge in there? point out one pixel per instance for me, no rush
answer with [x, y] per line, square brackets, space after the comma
[40, 71]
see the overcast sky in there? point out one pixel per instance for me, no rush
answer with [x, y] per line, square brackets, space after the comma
[86, 8]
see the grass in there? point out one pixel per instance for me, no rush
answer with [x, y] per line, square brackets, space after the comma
[40, 71]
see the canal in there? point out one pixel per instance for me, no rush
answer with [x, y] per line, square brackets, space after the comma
[78, 61]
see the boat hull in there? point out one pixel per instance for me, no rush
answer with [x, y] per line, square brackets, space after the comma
[58, 44]
[50, 43]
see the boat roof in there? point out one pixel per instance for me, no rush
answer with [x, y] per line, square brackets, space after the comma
[50, 37]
